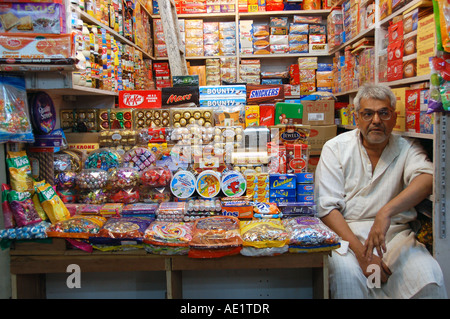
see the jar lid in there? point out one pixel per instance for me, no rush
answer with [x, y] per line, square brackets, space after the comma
[233, 184]
[182, 184]
[208, 184]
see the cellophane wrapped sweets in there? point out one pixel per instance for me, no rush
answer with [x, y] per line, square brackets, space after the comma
[78, 226]
[168, 238]
[215, 236]
[309, 233]
[121, 233]
[14, 120]
[263, 237]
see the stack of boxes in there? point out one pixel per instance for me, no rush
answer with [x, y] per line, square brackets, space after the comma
[347, 20]
[217, 6]
[162, 74]
[258, 187]
[261, 39]
[307, 67]
[194, 37]
[228, 70]
[211, 38]
[298, 38]
[395, 52]
[282, 188]
[227, 38]
[335, 28]
[425, 42]
[191, 6]
[324, 77]
[246, 36]
[250, 71]
[278, 39]
[158, 36]
[212, 67]
[305, 188]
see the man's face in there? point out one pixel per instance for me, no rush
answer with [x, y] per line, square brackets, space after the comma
[376, 120]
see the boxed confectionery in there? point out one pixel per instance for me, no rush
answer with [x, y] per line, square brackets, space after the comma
[288, 113]
[296, 158]
[400, 109]
[140, 99]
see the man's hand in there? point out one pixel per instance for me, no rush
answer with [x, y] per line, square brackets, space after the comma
[385, 272]
[377, 236]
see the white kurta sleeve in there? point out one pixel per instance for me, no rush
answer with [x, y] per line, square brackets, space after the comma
[416, 163]
[329, 182]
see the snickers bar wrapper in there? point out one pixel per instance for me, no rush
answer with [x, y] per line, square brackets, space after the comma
[264, 93]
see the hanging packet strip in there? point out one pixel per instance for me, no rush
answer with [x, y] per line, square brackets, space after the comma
[52, 204]
[19, 168]
[8, 217]
[14, 120]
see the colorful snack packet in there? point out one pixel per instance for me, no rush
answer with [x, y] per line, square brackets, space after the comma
[23, 208]
[52, 204]
[20, 172]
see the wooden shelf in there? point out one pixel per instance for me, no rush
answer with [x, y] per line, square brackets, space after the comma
[285, 12]
[89, 19]
[401, 10]
[421, 78]
[406, 134]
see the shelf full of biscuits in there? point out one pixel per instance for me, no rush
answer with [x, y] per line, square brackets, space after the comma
[389, 48]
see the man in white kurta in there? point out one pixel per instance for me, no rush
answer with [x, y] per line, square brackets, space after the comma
[346, 182]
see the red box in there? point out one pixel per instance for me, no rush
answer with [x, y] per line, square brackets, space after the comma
[395, 70]
[142, 99]
[395, 50]
[296, 158]
[412, 121]
[266, 114]
[395, 31]
[412, 100]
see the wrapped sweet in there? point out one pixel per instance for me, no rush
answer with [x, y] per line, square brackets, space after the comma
[123, 177]
[78, 226]
[92, 178]
[156, 176]
[65, 179]
[126, 196]
[309, 233]
[263, 237]
[104, 158]
[94, 196]
[139, 157]
[168, 238]
[215, 236]
[34, 231]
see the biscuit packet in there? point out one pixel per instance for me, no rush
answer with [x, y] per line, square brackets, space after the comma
[52, 203]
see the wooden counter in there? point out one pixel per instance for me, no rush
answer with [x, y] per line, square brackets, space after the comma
[29, 262]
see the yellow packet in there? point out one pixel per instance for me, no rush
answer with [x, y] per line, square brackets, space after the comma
[52, 204]
[19, 168]
[37, 203]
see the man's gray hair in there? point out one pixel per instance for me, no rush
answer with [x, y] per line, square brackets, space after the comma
[374, 91]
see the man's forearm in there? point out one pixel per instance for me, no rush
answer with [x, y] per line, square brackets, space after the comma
[337, 223]
[419, 189]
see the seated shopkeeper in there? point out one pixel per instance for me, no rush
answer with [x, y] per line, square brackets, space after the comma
[367, 184]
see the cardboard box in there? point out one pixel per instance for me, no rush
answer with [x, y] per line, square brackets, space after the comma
[395, 31]
[319, 112]
[426, 123]
[400, 94]
[412, 100]
[288, 113]
[412, 123]
[266, 114]
[395, 70]
[319, 134]
[400, 124]
[251, 115]
[409, 68]
[312, 163]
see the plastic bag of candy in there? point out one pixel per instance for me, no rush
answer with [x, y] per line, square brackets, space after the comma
[132, 228]
[104, 158]
[35, 231]
[267, 251]
[52, 204]
[126, 196]
[92, 178]
[14, 119]
[78, 226]
[215, 236]
[92, 196]
[439, 99]
[263, 233]
[23, 208]
[309, 231]
[19, 168]
[168, 233]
